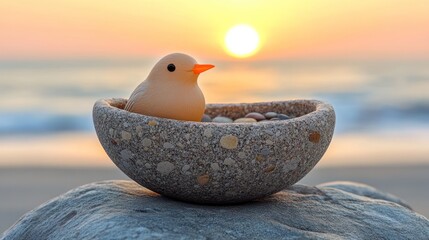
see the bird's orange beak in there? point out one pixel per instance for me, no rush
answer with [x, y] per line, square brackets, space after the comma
[199, 68]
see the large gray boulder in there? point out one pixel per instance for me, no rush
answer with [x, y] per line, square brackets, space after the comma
[125, 210]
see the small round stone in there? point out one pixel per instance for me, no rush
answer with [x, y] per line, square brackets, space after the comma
[139, 131]
[255, 115]
[208, 132]
[126, 154]
[270, 168]
[260, 158]
[229, 141]
[168, 145]
[146, 142]
[283, 117]
[185, 168]
[245, 120]
[152, 123]
[229, 161]
[265, 151]
[165, 167]
[274, 119]
[215, 166]
[270, 115]
[125, 135]
[206, 118]
[314, 137]
[203, 179]
[221, 119]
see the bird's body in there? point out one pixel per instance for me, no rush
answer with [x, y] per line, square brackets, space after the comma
[171, 90]
[165, 100]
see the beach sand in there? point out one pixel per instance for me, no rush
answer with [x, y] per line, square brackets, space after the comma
[357, 149]
[24, 188]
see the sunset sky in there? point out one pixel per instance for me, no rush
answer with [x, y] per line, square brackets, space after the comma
[288, 29]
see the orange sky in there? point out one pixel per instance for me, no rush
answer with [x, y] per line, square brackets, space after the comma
[288, 29]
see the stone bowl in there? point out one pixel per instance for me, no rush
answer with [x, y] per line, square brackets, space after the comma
[216, 163]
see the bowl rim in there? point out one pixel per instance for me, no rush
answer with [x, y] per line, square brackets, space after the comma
[320, 107]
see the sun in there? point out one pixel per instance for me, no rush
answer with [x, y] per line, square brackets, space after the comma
[242, 41]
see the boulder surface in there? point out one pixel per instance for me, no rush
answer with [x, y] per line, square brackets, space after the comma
[124, 210]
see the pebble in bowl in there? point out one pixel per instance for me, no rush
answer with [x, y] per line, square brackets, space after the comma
[216, 163]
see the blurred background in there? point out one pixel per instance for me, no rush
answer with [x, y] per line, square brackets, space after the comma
[369, 59]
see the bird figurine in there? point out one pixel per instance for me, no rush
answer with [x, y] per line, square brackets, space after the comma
[171, 90]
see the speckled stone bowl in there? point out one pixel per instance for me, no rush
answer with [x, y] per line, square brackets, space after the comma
[216, 162]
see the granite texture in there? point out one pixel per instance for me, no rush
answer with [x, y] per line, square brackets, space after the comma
[125, 210]
[216, 162]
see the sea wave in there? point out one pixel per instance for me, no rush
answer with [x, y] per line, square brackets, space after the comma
[42, 123]
[352, 116]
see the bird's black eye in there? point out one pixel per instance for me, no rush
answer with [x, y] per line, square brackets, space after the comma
[171, 67]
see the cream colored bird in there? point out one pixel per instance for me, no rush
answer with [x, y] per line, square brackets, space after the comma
[171, 90]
